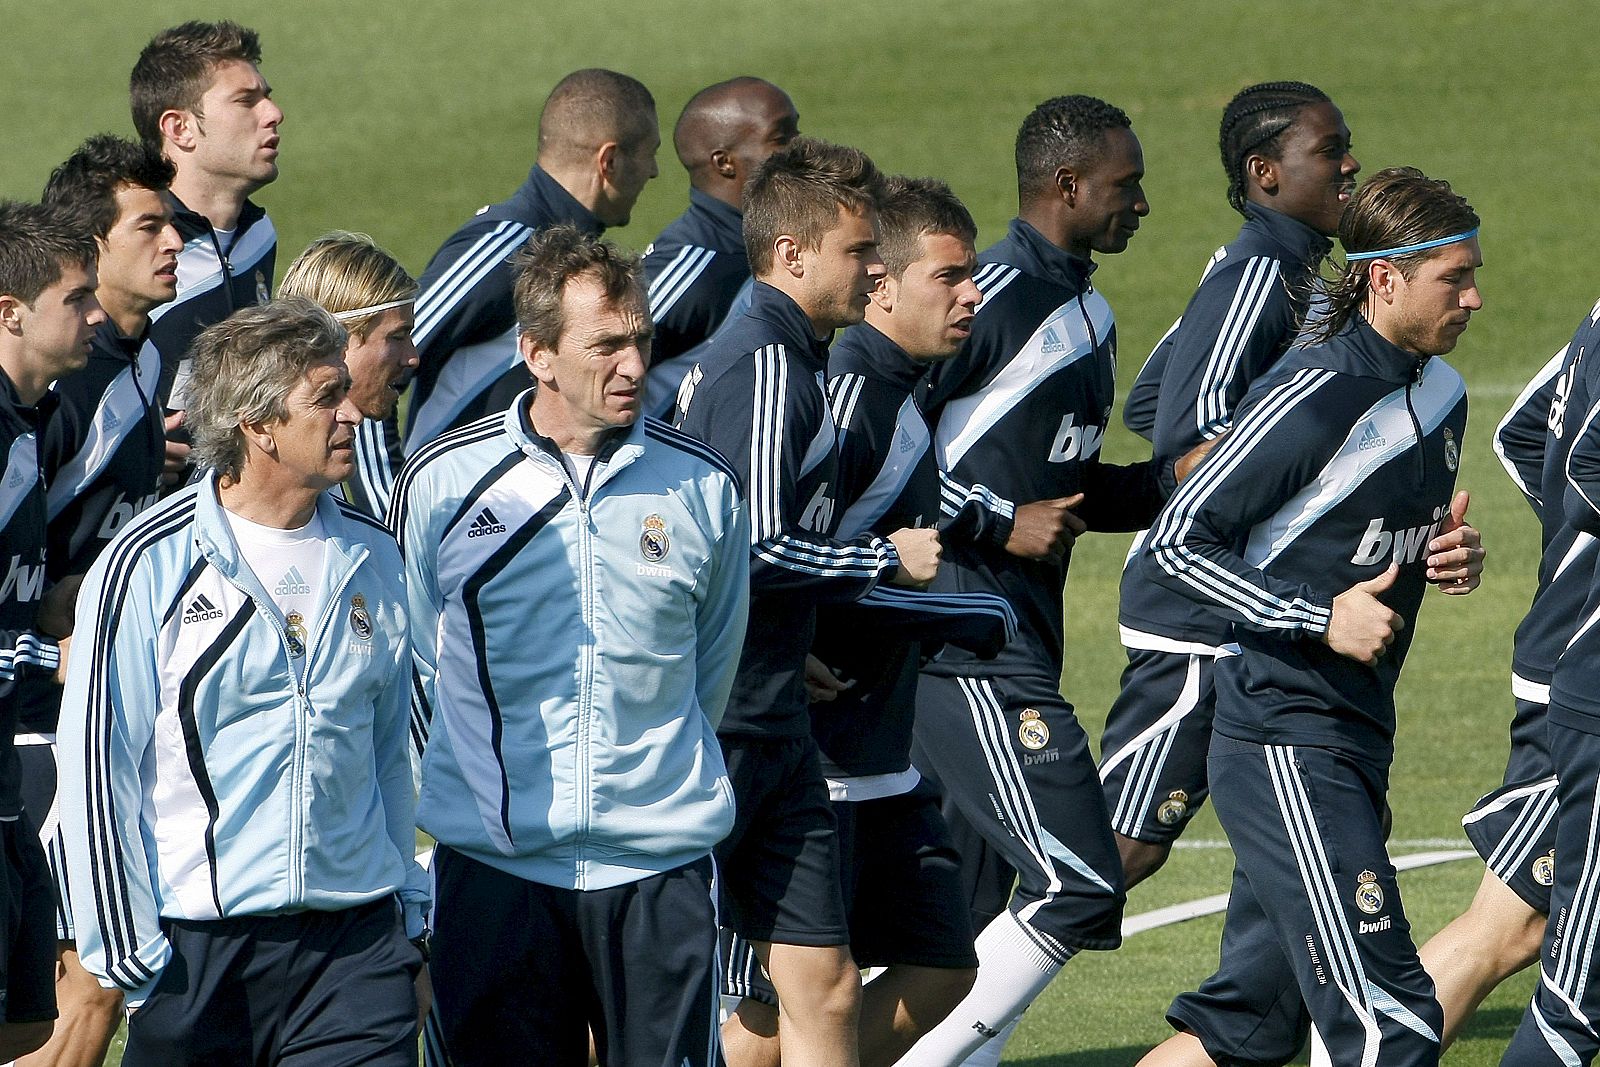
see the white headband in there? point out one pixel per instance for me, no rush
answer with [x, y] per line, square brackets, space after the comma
[361, 313]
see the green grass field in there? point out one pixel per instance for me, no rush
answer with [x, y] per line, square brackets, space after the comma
[403, 119]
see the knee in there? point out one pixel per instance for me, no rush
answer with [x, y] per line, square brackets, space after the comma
[949, 986]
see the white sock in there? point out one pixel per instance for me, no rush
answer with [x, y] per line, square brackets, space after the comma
[988, 1054]
[1012, 971]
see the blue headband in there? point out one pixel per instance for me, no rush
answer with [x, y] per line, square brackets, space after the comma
[1420, 246]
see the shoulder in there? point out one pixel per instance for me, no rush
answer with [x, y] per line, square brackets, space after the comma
[467, 448]
[698, 456]
[483, 241]
[159, 542]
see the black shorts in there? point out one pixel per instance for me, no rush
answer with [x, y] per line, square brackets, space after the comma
[1153, 750]
[1514, 827]
[1011, 758]
[778, 869]
[28, 944]
[524, 972]
[309, 988]
[37, 761]
[1315, 930]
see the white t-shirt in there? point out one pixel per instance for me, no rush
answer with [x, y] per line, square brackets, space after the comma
[289, 564]
[578, 467]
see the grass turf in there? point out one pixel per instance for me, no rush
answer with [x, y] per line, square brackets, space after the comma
[403, 120]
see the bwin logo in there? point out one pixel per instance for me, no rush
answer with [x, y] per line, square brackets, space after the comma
[485, 524]
[1371, 438]
[1404, 546]
[1074, 441]
[1053, 344]
[293, 584]
[23, 582]
[201, 610]
[1375, 926]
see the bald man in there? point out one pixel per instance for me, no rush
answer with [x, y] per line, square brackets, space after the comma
[598, 137]
[698, 265]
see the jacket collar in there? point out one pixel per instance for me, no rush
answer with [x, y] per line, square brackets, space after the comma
[868, 347]
[1359, 349]
[1300, 243]
[776, 308]
[541, 201]
[1025, 247]
[109, 343]
[216, 543]
[619, 447]
[30, 418]
[192, 224]
[725, 220]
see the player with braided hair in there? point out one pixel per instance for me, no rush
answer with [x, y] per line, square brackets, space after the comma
[1286, 152]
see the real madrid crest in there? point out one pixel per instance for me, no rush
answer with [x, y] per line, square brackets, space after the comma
[1174, 808]
[1032, 731]
[262, 293]
[360, 621]
[1544, 868]
[1369, 894]
[1452, 454]
[295, 629]
[653, 541]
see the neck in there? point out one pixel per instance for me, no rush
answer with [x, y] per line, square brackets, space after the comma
[551, 419]
[28, 377]
[220, 202]
[730, 193]
[886, 324]
[1385, 327]
[580, 182]
[1054, 227]
[128, 313]
[265, 499]
[793, 288]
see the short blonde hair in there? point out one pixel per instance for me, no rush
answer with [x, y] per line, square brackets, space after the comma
[342, 271]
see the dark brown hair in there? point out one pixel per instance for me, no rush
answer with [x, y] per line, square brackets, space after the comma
[177, 67]
[86, 185]
[912, 208]
[800, 190]
[36, 243]
[552, 259]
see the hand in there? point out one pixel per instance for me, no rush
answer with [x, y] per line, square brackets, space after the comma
[822, 684]
[1362, 626]
[177, 461]
[1045, 529]
[1455, 557]
[57, 606]
[920, 553]
[424, 988]
[1187, 462]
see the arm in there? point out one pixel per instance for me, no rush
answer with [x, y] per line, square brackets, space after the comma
[1193, 547]
[973, 515]
[391, 728]
[410, 521]
[1582, 499]
[1123, 498]
[466, 297]
[722, 612]
[1236, 326]
[107, 725]
[1519, 440]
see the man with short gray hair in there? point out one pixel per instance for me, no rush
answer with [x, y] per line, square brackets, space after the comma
[578, 581]
[236, 790]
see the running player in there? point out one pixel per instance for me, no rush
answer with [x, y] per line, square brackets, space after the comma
[1286, 152]
[698, 264]
[1316, 525]
[370, 294]
[48, 317]
[1022, 411]
[811, 233]
[103, 455]
[597, 148]
[198, 98]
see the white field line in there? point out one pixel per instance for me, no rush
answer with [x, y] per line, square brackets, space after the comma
[1194, 909]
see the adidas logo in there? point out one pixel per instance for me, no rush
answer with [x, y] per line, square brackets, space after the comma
[201, 610]
[16, 478]
[293, 584]
[1052, 342]
[1371, 438]
[485, 524]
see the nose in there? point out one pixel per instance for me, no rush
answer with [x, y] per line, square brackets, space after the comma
[95, 314]
[274, 114]
[1141, 206]
[1351, 166]
[408, 353]
[348, 413]
[171, 239]
[1471, 299]
[969, 295]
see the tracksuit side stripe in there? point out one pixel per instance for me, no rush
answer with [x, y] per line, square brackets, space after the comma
[678, 279]
[1538, 382]
[442, 296]
[1211, 410]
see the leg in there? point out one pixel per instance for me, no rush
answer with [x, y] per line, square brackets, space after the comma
[27, 955]
[199, 1015]
[508, 968]
[351, 991]
[1153, 754]
[1497, 936]
[651, 947]
[819, 1003]
[908, 914]
[1307, 827]
[1559, 1025]
[1012, 755]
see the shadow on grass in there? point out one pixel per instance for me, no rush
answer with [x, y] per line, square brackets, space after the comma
[1493, 1024]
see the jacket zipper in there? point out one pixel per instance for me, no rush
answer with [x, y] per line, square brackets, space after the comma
[1416, 426]
[586, 682]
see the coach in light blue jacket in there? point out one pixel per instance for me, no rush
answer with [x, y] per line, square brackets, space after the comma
[236, 787]
[578, 583]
